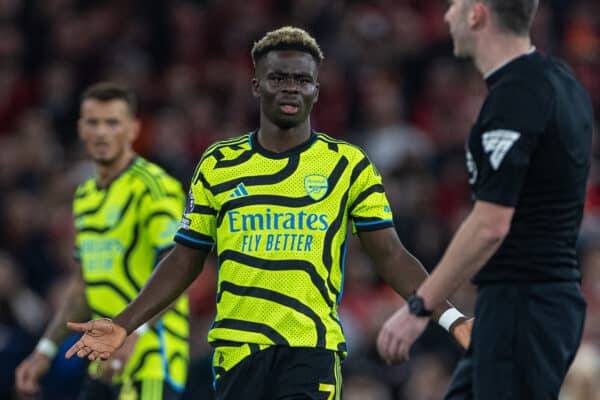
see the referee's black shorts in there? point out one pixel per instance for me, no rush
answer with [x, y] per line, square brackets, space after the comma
[524, 339]
[280, 372]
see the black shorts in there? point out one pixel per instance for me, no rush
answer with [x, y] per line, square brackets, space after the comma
[524, 339]
[147, 389]
[283, 373]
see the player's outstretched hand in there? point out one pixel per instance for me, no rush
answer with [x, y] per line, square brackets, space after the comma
[101, 338]
[398, 334]
[462, 332]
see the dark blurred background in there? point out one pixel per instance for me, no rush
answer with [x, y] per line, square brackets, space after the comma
[389, 83]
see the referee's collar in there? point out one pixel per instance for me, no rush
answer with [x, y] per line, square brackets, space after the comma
[491, 72]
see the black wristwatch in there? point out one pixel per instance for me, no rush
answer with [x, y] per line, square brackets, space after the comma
[416, 306]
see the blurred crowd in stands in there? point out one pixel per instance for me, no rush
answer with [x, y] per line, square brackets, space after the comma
[389, 83]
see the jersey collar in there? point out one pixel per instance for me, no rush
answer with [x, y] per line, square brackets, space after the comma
[500, 67]
[271, 154]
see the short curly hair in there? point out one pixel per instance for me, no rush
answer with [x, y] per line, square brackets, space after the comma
[287, 38]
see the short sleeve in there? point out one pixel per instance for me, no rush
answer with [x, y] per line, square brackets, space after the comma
[510, 125]
[159, 216]
[198, 224]
[369, 208]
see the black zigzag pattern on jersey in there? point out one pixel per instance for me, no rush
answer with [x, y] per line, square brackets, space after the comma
[94, 210]
[280, 265]
[286, 301]
[107, 284]
[104, 229]
[200, 177]
[242, 158]
[158, 214]
[175, 356]
[173, 333]
[95, 313]
[127, 255]
[277, 177]
[233, 143]
[358, 169]
[378, 188]
[170, 195]
[248, 326]
[203, 210]
[142, 360]
[80, 193]
[331, 232]
[226, 343]
[168, 330]
[178, 355]
[291, 202]
[179, 313]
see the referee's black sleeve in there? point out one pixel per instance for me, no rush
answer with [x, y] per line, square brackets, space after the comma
[512, 120]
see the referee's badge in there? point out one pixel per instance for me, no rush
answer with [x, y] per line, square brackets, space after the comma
[316, 186]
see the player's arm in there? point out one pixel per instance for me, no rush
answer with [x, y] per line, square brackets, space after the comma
[475, 242]
[171, 277]
[478, 238]
[400, 269]
[73, 307]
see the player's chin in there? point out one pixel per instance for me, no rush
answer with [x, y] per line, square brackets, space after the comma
[103, 159]
[285, 122]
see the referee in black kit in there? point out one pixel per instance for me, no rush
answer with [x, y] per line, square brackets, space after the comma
[528, 157]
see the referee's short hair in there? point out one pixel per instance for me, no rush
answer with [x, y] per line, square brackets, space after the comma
[108, 91]
[514, 16]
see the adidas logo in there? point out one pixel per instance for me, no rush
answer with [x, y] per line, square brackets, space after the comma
[240, 191]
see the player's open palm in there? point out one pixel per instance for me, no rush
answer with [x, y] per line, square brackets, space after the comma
[101, 338]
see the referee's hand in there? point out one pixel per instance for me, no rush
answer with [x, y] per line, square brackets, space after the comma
[101, 338]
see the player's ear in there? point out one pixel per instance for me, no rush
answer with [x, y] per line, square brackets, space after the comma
[255, 88]
[80, 129]
[135, 129]
[316, 93]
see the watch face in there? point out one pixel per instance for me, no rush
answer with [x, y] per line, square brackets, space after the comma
[416, 306]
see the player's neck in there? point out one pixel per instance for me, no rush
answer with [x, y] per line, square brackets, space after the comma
[278, 140]
[496, 50]
[109, 172]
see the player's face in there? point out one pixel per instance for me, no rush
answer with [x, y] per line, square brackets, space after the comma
[457, 19]
[286, 84]
[107, 129]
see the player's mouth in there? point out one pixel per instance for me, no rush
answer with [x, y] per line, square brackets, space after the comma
[101, 146]
[288, 108]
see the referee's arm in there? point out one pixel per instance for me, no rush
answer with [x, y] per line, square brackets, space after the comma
[477, 239]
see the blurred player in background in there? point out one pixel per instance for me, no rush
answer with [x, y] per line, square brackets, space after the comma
[125, 219]
[528, 157]
[276, 203]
